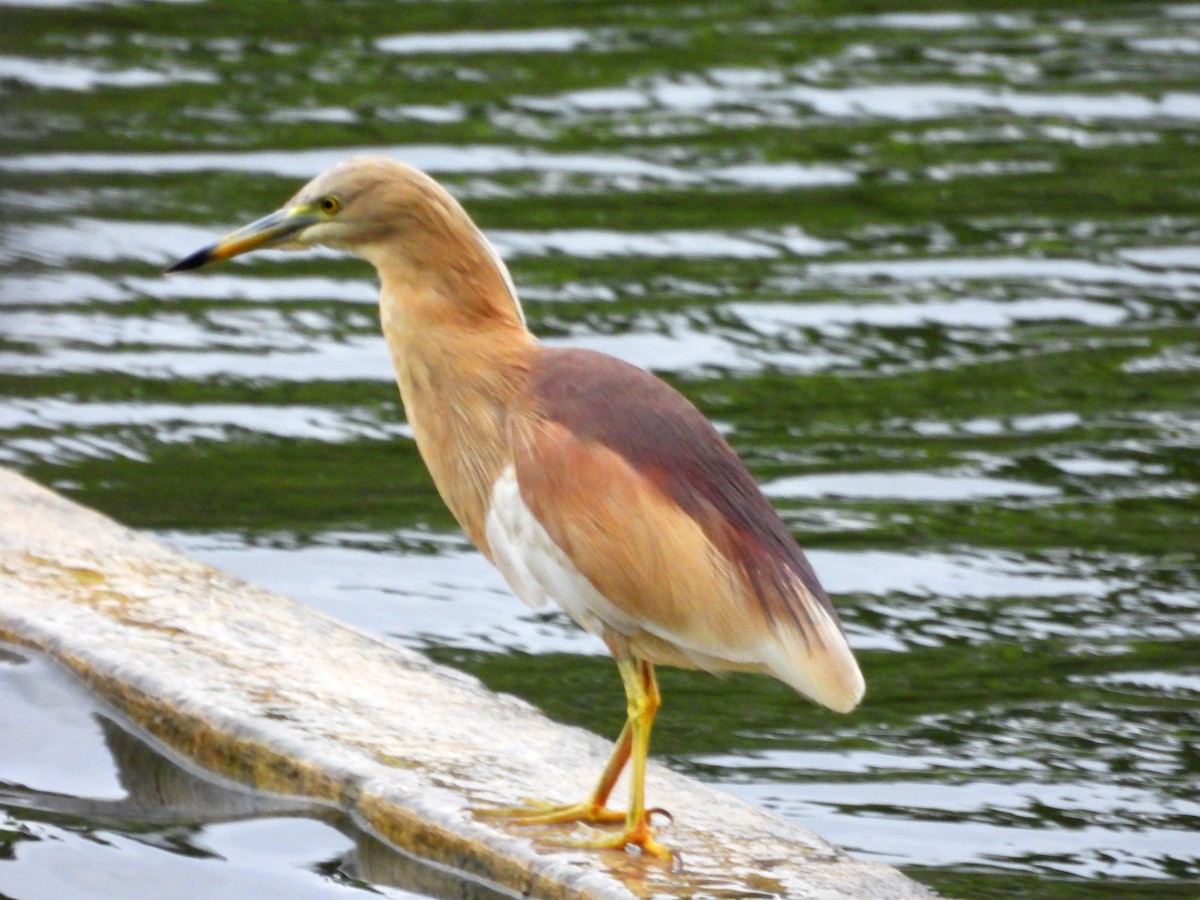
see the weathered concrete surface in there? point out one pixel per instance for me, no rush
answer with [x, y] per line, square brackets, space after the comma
[264, 690]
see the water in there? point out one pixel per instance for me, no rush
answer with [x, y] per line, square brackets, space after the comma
[933, 271]
[90, 808]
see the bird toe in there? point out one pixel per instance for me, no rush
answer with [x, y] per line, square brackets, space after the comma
[541, 812]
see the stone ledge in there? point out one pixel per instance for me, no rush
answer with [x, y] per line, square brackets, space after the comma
[263, 690]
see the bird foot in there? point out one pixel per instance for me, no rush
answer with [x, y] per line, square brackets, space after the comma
[639, 835]
[540, 812]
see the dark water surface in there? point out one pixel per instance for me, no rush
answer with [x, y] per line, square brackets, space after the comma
[934, 270]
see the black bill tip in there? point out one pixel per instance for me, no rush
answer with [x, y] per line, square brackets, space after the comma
[195, 261]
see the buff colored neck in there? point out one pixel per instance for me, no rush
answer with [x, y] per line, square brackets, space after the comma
[461, 354]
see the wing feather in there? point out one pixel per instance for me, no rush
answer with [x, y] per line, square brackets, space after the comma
[657, 512]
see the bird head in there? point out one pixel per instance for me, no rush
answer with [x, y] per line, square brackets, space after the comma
[353, 206]
[417, 236]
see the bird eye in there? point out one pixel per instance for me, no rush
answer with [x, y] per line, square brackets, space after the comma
[329, 204]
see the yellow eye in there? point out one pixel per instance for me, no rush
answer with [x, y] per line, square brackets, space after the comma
[329, 205]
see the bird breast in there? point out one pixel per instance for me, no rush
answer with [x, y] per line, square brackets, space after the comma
[537, 569]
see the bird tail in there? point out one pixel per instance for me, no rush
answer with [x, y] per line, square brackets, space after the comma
[818, 662]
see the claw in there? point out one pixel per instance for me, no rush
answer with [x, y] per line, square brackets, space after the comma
[659, 811]
[639, 835]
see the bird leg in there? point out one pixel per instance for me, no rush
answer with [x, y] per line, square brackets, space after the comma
[591, 810]
[642, 696]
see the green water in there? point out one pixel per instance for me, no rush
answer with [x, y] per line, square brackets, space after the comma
[935, 271]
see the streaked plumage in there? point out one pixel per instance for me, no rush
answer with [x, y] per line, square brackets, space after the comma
[587, 481]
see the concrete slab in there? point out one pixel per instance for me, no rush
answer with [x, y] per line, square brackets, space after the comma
[261, 689]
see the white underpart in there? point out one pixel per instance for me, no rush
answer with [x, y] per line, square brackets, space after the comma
[508, 281]
[822, 667]
[537, 569]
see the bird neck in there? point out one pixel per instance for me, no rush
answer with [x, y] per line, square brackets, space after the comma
[461, 353]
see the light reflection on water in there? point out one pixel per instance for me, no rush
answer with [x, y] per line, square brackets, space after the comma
[1014, 842]
[972, 233]
[62, 75]
[542, 40]
[156, 830]
[157, 243]
[903, 486]
[393, 584]
[904, 102]
[438, 159]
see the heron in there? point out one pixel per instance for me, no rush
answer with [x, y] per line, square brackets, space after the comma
[588, 482]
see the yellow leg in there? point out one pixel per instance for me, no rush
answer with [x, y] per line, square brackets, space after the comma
[641, 692]
[592, 810]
